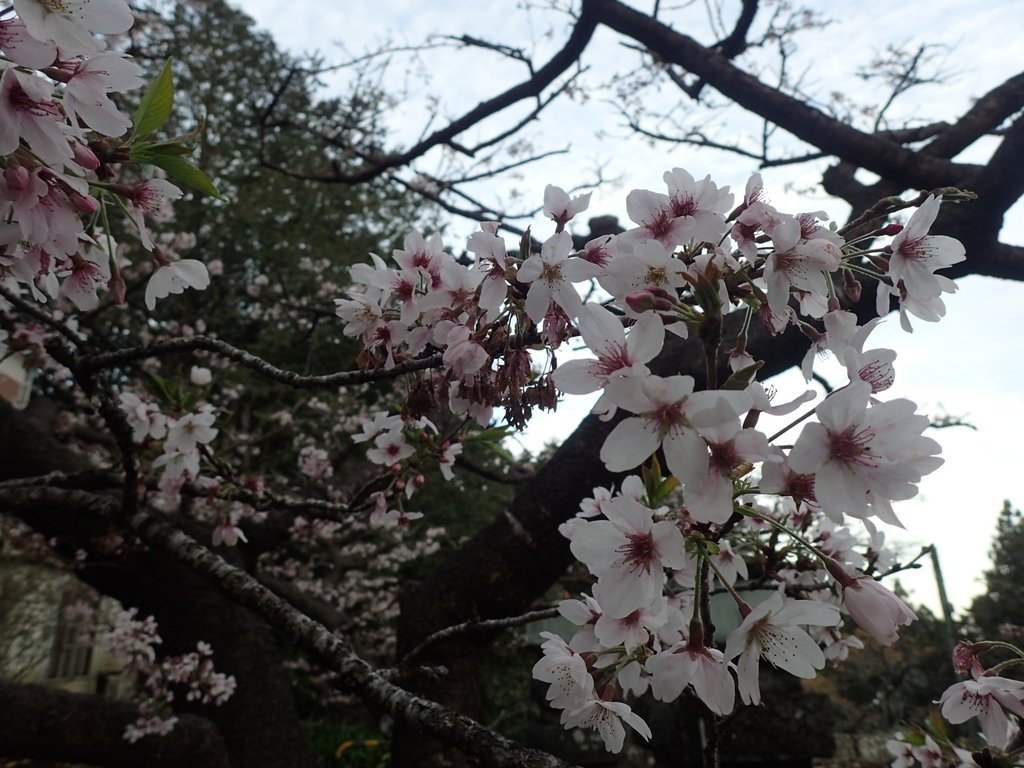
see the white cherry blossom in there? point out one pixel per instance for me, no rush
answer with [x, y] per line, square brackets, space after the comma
[770, 631]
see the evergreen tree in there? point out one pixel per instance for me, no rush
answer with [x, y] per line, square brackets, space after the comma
[999, 613]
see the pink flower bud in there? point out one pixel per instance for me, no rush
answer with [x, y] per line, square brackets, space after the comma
[852, 286]
[85, 203]
[657, 299]
[85, 157]
[117, 288]
[17, 177]
[876, 609]
[892, 229]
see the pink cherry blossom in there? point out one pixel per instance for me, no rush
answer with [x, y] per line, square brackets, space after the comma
[699, 204]
[617, 354]
[551, 275]
[28, 112]
[22, 48]
[863, 458]
[799, 264]
[628, 553]
[390, 448]
[153, 197]
[988, 698]
[566, 671]
[193, 429]
[705, 669]
[85, 94]
[916, 255]
[559, 208]
[876, 609]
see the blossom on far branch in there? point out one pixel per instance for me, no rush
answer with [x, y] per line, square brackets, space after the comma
[173, 277]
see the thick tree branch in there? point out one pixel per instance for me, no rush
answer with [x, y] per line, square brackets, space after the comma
[987, 114]
[355, 674]
[886, 158]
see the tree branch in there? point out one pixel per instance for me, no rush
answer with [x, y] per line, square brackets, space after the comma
[886, 158]
[355, 674]
[259, 365]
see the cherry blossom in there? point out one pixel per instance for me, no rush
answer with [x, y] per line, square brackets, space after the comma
[551, 275]
[617, 354]
[559, 208]
[916, 254]
[876, 609]
[22, 48]
[863, 458]
[770, 632]
[606, 718]
[699, 205]
[988, 698]
[174, 277]
[566, 671]
[663, 408]
[68, 23]
[800, 264]
[28, 112]
[85, 94]
[628, 553]
[705, 669]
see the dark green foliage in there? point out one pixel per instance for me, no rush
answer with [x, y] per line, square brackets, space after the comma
[998, 614]
[882, 687]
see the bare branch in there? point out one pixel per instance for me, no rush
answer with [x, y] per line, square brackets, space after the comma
[472, 627]
[533, 87]
[259, 365]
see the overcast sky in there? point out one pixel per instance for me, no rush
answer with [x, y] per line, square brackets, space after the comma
[969, 364]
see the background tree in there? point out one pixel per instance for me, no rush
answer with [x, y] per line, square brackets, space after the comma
[510, 563]
[998, 613]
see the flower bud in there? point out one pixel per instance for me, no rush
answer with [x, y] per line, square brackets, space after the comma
[657, 299]
[85, 203]
[84, 156]
[891, 229]
[200, 376]
[117, 288]
[876, 609]
[852, 286]
[17, 177]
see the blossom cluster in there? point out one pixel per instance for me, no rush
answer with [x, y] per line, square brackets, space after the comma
[156, 680]
[65, 143]
[710, 482]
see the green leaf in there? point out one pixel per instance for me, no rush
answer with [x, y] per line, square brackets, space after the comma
[156, 104]
[741, 379]
[182, 170]
[490, 435]
[171, 148]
